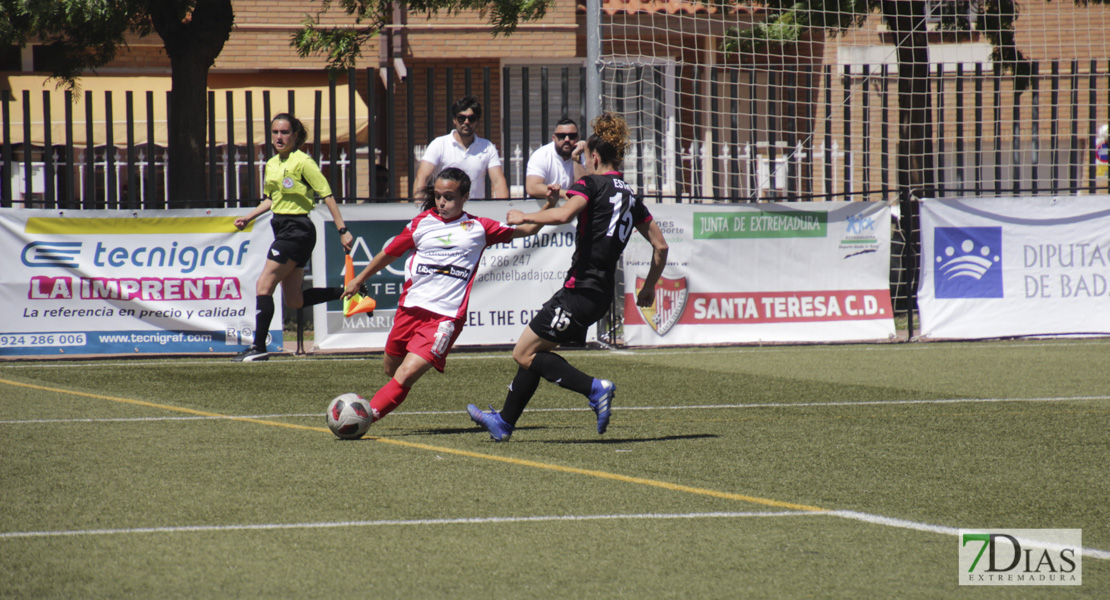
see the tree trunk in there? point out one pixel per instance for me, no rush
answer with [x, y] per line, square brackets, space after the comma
[193, 41]
[188, 125]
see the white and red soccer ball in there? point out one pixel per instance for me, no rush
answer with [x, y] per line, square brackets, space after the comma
[349, 416]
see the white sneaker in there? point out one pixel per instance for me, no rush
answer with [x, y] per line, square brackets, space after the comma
[251, 354]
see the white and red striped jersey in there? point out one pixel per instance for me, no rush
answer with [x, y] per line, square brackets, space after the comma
[440, 273]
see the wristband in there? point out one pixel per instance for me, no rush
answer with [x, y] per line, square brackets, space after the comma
[342, 230]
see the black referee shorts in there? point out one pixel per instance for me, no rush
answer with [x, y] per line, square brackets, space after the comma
[294, 239]
[567, 316]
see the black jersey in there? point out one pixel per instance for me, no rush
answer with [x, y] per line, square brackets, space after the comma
[604, 227]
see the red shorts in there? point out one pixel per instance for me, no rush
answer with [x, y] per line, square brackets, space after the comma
[424, 333]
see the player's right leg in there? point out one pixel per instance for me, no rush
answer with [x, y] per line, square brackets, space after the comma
[404, 375]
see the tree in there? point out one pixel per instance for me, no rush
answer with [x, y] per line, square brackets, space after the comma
[342, 45]
[82, 35]
[193, 36]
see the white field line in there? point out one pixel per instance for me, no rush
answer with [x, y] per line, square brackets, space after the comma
[903, 524]
[582, 409]
[637, 352]
[864, 517]
[846, 514]
[403, 522]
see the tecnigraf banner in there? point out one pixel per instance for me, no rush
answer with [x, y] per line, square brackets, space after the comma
[115, 282]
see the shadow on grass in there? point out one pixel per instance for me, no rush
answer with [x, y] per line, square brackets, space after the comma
[457, 430]
[664, 438]
[599, 440]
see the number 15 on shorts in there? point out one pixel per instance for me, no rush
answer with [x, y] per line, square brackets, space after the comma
[561, 320]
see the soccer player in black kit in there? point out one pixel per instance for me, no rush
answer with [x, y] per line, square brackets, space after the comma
[607, 211]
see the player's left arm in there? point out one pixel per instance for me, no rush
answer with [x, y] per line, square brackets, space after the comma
[651, 232]
[558, 215]
[554, 192]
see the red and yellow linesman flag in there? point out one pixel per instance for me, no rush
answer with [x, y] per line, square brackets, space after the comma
[357, 303]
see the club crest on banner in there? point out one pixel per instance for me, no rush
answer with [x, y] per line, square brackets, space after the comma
[670, 301]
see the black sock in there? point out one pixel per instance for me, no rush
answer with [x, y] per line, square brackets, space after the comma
[264, 313]
[315, 296]
[556, 369]
[520, 392]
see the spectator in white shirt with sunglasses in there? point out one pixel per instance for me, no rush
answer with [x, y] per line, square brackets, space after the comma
[556, 163]
[463, 149]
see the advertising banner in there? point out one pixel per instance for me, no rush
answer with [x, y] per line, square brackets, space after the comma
[109, 282]
[513, 281]
[791, 272]
[1000, 267]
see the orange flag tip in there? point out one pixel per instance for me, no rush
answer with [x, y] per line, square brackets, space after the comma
[358, 304]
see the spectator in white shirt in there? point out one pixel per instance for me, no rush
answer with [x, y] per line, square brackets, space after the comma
[462, 148]
[556, 163]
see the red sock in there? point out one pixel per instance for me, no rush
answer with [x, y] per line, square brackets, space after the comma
[388, 398]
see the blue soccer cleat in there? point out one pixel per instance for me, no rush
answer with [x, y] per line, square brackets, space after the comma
[492, 422]
[600, 398]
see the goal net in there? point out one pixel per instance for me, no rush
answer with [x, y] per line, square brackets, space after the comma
[754, 101]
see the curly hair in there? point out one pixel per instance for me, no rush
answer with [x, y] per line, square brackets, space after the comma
[609, 139]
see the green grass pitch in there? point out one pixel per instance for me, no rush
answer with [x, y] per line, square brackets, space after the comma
[829, 471]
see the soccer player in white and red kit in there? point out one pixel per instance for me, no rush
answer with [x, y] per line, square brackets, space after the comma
[607, 211]
[447, 245]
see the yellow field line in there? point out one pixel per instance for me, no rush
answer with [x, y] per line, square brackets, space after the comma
[614, 476]
[188, 411]
[674, 487]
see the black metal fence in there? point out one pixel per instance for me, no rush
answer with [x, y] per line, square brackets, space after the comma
[818, 133]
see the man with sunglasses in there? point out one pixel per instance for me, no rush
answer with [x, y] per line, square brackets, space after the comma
[557, 162]
[462, 148]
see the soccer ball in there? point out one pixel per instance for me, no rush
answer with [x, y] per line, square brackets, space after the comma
[349, 416]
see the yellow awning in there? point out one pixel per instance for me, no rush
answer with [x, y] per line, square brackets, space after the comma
[303, 85]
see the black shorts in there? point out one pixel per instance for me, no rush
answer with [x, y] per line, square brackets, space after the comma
[567, 316]
[294, 239]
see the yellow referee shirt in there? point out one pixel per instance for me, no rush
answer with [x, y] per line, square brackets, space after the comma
[289, 181]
